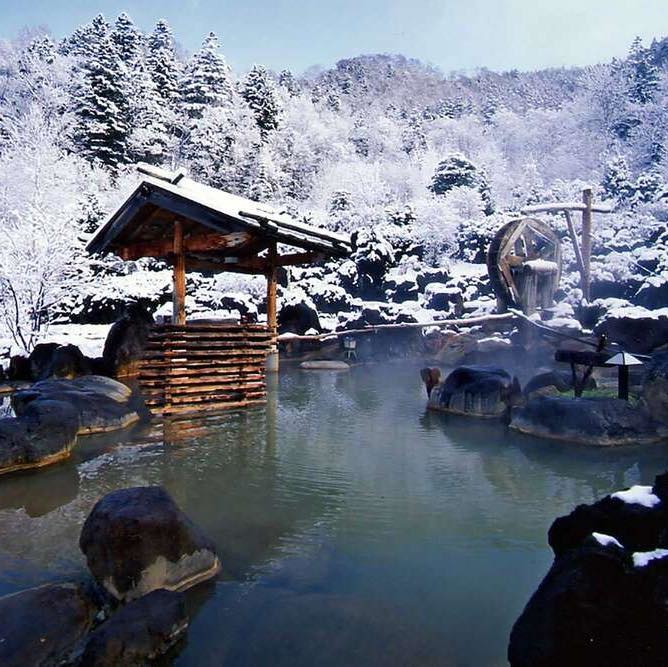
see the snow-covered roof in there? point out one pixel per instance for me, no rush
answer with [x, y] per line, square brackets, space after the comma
[162, 197]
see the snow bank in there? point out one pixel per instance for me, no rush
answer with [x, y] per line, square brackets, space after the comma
[638, 495]
[641, 558]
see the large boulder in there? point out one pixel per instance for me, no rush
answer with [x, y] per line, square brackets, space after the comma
[137, 540]
[479, 391]
[101, 404]
[553, 381]
[444, 297]
[40, 360]
[138, 633]
[655, 387]
[45, 434]
[126, 340]
[635, 328]
[298, 314]
[591, 421]
[604, 601]
[68, 361]
[41, 626]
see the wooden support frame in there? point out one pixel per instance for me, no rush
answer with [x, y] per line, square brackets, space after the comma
[586, 243]
[271, 294]
[179, 264]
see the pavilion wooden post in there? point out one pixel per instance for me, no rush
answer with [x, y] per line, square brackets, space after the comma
[272, 357]
[179, 293]
[586, 242]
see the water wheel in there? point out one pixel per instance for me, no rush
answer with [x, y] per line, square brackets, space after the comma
[524, 265]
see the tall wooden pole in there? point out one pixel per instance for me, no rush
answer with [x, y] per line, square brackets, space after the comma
[586, 243]
[272, 360]
[179, 293]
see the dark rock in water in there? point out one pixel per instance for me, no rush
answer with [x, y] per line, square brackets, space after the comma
[591, 421]
[19, 368]
[639, 333]
[68, 361]
[655, 387]
[126, 341]
[44, 435]
[102, 404]
[298, 317]
[41, 626]
[137, 540]
[561, 381]
[140, 631]
[40, 360]
[604, 601]
[480, 391]
[51, 413]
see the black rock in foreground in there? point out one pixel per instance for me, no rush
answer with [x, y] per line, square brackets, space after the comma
[137, 540]
[604, 601]
[138, 632]
[39, 626]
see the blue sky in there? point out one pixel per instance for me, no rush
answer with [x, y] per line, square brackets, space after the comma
[452, 34]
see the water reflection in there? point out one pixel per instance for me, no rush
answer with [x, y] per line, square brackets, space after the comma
[352, 527]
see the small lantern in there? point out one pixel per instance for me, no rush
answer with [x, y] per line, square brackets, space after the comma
[623, 360]
[350, 347]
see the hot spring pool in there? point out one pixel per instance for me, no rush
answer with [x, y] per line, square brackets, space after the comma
[353, 527]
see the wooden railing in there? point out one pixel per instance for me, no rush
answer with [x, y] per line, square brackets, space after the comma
[204, 366]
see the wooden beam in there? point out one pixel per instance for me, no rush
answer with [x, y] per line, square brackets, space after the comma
[299, 258]
[253, 266]
[179, 294]
[204, 242]
[576, 248]
[586, 242]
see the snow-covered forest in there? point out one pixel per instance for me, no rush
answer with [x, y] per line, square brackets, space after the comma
[421, 167]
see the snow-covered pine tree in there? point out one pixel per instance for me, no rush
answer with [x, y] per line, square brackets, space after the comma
[457, 171]
[643, 74]
[161, 62]
[101, 100]
[128, 40]
[86, 39]
[207, 80]
[617, 183]
[287, 80]
[260, 94]
[648, 186]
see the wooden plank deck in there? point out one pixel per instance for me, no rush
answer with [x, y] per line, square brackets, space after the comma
[202, 367]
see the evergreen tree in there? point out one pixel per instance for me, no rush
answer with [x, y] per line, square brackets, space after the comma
[617, 182]
[648, 187]
[101, 100]
[128, 40]
[456, 171]
[260, 94]
[206, 80]
[287, 81]
[161, 62]
[86, 40]
[643, 74]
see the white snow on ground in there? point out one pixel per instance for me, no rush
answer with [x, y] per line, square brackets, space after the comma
[636, 312]
[641, 558]
[466, 270]
[606, 540]
[566, 324]
[638, 495]
[89, 338]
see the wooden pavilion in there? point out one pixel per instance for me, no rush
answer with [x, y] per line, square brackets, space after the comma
[208, 365]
